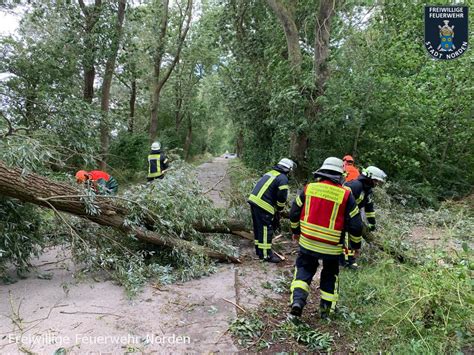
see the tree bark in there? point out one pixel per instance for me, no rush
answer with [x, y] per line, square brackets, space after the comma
[107, 83]
[239, 149]
[39, 190]
[189, 138]
[132, 102]
[159, 79]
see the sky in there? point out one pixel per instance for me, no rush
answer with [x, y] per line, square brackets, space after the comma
[8, 22]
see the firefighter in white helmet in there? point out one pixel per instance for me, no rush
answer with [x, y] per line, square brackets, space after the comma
[319, 216]
[157, 162]
[267, 199]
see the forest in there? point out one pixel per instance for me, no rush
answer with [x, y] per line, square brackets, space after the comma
[92, 84]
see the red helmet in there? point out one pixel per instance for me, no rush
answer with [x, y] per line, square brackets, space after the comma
[348, 158]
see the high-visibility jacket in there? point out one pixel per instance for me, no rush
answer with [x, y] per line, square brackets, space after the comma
[363, 194]
[271, 191]
[321, 214]
[157, 163]
[105, 182]
[96, 175]
[351, 172]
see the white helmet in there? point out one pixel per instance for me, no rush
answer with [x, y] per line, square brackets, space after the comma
[333, 164]
[374, 173]
[287, 163]
[156, 146]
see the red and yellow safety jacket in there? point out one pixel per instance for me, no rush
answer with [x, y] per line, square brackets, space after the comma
[321, 214]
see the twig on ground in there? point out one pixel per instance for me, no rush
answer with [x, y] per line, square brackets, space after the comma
[217, 183]
[235, 304]
[220, 336]
[97, 313]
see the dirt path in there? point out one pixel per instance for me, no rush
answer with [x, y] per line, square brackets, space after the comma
[50, 309]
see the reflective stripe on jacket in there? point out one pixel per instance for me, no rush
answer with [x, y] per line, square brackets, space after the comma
[320, 215]
[270, 192]
[157, 163]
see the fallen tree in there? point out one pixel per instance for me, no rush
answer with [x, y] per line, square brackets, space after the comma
[61, 197]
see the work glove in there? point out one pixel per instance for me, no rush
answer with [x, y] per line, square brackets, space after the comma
[371, 227]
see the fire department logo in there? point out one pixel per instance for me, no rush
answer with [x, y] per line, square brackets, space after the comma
[446, 31]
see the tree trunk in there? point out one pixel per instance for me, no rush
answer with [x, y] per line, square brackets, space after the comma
[91, 14]
[189, 138]
[321, 43]
[239, 149]
[133, 100]
[299, 140]
[107, 83]
[159, 79]
[286, 18]
[39, 190]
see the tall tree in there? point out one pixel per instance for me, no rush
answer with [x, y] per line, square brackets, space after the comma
[160, 78]
[285, 14]
[91, 17]
[107, 82]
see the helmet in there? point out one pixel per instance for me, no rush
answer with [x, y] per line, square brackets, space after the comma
[81, 176]
[374, 173]
[287, 164]
[348, 158]
[156, 146]
[333, 164]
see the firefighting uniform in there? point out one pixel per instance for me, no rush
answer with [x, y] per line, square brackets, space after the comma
[362, 190]
[320, 215]
[268, 197]
[157, 163]
[106, 184]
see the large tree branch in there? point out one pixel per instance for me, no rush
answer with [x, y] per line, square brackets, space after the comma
[291, 33]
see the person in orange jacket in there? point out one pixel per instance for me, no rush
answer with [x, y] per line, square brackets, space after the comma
[101, 182]
[350, 171]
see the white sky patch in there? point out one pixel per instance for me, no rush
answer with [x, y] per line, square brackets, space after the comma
[9, 21]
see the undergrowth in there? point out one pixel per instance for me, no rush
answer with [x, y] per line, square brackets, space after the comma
[423, 304]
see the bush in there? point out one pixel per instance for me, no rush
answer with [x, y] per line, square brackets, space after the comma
[129, 152]
[19, 234]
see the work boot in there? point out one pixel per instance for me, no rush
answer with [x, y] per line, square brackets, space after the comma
[273, 259]
[296, 309]
[324, 312]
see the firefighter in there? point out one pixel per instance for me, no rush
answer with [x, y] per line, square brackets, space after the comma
[319, 216]
[267, 199]
[362, 190]
[157, 162]
[350, 170]
[101, 182]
